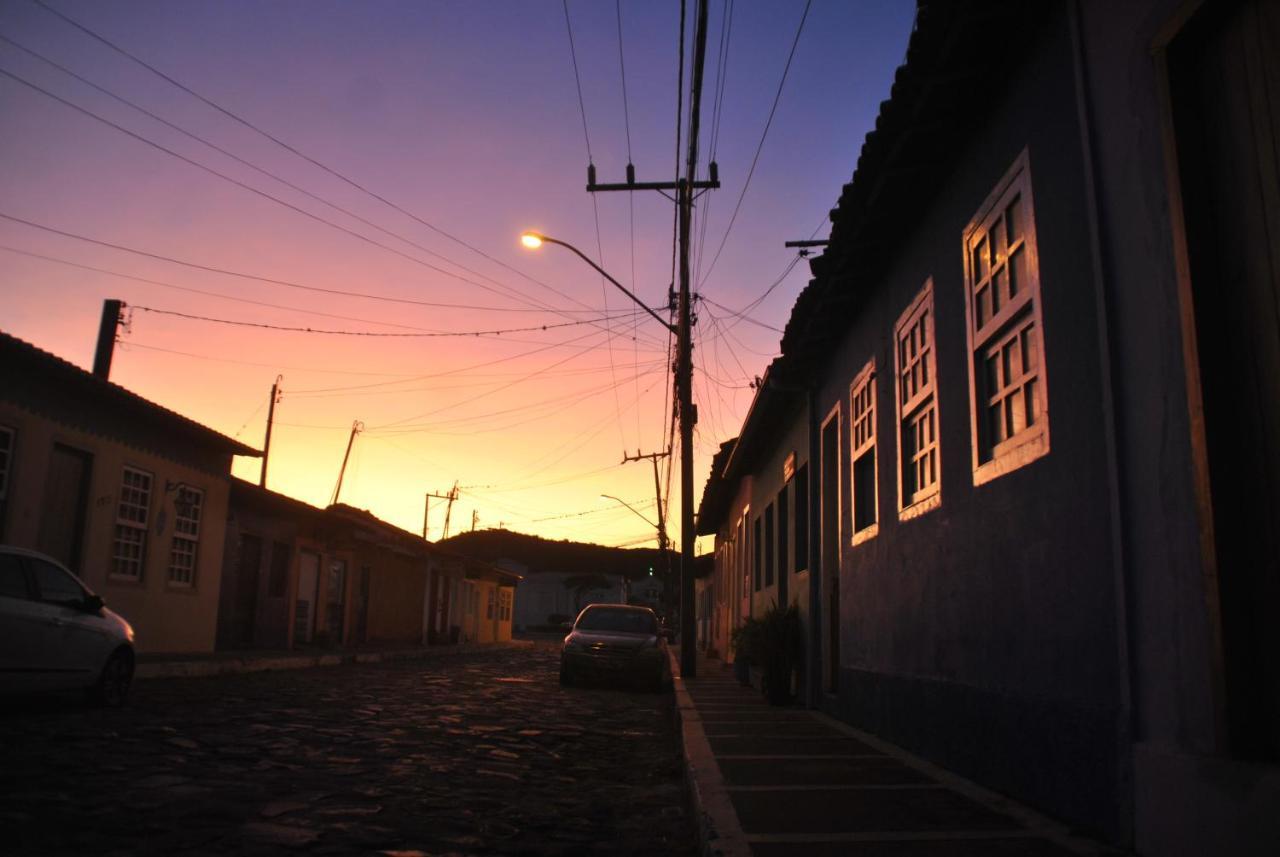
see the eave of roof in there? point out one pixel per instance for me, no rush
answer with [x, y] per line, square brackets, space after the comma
[20, 361]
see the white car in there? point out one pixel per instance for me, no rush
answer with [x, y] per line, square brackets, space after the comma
[55, 634]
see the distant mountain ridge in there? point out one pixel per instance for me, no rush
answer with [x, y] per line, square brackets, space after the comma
[540, 554]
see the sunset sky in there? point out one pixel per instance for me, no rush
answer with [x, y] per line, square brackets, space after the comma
[464, 116]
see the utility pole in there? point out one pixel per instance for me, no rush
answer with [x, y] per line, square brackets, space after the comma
[448, 509]
[356, 428]
[474, 515]
[451, 496]
[107, 328]
[685, 193]
[266, 442]
[662, 523]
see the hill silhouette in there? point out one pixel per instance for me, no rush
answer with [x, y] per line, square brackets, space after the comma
[567, 557]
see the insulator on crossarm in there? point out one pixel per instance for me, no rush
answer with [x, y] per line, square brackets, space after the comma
[631, 173]
[713, 170]
[591, 175]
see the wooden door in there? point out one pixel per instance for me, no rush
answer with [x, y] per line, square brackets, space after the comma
[66, 502]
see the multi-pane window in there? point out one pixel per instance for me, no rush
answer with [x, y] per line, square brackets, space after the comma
[802, 517]
[129, 546]
[504, 612]
[784, 524]
[188, 506]
[6, 465]
[862, 438]
[757, 542]
[768, 545]
[1010, 419]
[920, 471]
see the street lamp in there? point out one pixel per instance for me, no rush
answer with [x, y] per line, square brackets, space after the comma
[534, 240]
[685, 409]
[632, 508]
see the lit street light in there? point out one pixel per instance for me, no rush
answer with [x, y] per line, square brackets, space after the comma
[534, 240]
[632, 508]
[685, 408]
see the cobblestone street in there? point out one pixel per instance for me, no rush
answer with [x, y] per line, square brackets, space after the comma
[475, 754]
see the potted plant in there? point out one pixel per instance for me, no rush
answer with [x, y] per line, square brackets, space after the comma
[781, 651]
[745, 641]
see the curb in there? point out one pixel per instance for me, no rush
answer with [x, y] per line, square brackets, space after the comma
[720, 833]
[234, 665]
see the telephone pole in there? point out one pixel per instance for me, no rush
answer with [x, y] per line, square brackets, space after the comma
[107, 328]
[356, 428]
[450, 497]
[266, 442]
[685, 193]
[662, 522]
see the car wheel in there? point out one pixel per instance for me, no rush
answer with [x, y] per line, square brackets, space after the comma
[113, 684]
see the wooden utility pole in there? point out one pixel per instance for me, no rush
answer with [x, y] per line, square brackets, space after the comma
[266, 442]
[107, 329]
[356, 428]
[685, 192]
[662, 522]
[451, 496]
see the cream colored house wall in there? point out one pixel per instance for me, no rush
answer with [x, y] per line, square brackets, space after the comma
[165, 617]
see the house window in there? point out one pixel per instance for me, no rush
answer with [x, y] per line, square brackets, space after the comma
[758, 543]
[862, 439]
[784, 512]
[488, 614]
[802, 518]
[187, 506]
[132, 512]
[919, 467]
[505, 605]
[768, 545]
[6, 465]
[1002, 279]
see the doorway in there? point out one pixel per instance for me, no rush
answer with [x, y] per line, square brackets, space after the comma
[308, 590]
[66, 503]
[1224, 90]
[831, 546]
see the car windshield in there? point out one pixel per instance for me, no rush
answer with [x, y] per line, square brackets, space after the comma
[621, 621]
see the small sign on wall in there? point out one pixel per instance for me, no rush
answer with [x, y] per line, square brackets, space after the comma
[789, 467]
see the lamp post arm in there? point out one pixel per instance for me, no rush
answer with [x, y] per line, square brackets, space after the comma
[605, 274]
[632, 508]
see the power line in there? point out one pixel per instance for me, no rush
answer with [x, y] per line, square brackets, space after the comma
[756, 158]
[270, 280]
[244, 161]
[371, 333]
[577, 79]
[194, 290]
[130, 345]
[261, 193]
[287, 147]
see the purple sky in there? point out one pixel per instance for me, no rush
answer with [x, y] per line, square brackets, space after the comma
[465, 114]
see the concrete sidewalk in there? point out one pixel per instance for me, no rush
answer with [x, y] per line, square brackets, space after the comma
[159, 665]
[775, 781]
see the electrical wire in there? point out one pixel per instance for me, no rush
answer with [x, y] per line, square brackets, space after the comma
[260, 279]
[370, 333]
[289, 148]
[760, 146]
[504, 291]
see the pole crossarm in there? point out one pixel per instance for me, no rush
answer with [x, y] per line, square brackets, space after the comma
[712, 184]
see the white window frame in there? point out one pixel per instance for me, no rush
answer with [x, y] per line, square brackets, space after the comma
[862, 439]
[133, 515]
[923, 394]
[184, 550]
[1018, 314]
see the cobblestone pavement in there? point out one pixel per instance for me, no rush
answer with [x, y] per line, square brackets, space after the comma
[479, 754]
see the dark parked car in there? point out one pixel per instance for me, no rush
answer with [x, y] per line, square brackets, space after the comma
[616, 641]
[55, 634]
